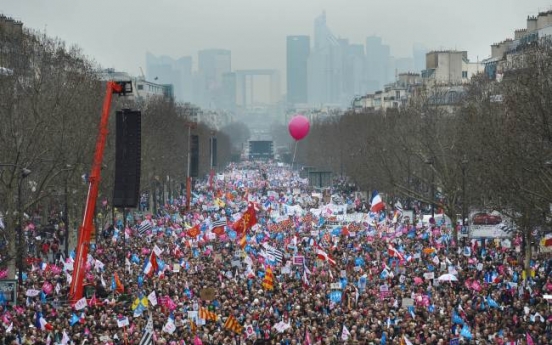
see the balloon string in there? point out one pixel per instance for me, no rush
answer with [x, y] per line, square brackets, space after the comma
[294, 153]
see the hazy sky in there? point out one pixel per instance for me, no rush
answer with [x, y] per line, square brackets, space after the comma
[118, 33]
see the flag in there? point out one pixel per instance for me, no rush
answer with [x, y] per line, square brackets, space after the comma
[93, 301]
[307, 338]
[44, 325]
[119, 287]
[278, 254]
[466, 333]
[247, 220]
[147, 338]
[376, 204]
[394, 253]
[65, 339]
[529, 339]
[80, 304]
[193, 231]
[218, 226]
[151, 265]
[152, 298]
[144, 227]
[243, 241]
[233, 325]
[207, 315]
[268, 281]
[491, 302]
[345, 334]
[322, 255]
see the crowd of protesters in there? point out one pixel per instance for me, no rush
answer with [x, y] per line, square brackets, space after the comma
[303, 271]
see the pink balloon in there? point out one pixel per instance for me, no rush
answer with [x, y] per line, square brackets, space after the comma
[299, 127]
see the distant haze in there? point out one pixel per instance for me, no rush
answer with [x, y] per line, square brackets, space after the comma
[118, 33]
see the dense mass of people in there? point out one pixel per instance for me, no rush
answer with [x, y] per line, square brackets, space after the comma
[262, 258]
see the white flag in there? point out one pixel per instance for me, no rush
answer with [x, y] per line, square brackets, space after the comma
[152, 298]
[345, 333]
[98, 265]
[157, 250]
[81, 304]
[65, 339]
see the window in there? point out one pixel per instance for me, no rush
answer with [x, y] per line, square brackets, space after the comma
[397, 95]
[465, 74]
[140, 87]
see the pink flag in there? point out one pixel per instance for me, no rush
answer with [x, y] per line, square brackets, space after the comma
[476, 286]
[197, 341]
[3, 274]
[529, 339]
[307, 338]
[47, 287]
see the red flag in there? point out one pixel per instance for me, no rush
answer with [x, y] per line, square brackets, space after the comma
[193, 231]
[345, 231]
[248, 219]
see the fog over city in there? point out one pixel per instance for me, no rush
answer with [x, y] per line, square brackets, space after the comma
[260, 61]
[117, 34]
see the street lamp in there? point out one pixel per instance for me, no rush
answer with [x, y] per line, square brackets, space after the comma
[464, 166]
[24, 173]
[430, 162]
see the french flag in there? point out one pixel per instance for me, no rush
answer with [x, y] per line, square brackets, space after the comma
[376, 204]
[151, 266]
[393, 252]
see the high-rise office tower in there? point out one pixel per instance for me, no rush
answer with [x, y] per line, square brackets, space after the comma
[377, 63]
[297, 51]
[165, 70]
[212, 65]
[353, 69]
[324, 67]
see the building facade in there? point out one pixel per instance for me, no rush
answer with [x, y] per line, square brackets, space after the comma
[508, 54]
[164, 70]
[212, 65]
[297, 55]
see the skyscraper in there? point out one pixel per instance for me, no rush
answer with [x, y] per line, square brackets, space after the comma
[212, 65]
[298, 50]
[324, 67]
[165, 70]
[377, 63]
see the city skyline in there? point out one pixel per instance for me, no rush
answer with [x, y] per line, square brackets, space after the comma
[398, 45]
[256, 32]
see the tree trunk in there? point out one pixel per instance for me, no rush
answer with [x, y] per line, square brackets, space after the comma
[528, 251]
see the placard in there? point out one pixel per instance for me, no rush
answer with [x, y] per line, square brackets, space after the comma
[407, 302]
[343, 274]
[235, 263]
[314, 232]
[298, 260]
[429, 275]
[122, 322]
[9, 289]
[285, 270]
[169, 327]
[335, 286]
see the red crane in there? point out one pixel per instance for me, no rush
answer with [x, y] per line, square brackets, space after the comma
[85, 230]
